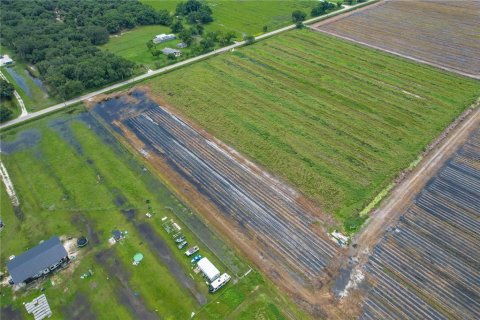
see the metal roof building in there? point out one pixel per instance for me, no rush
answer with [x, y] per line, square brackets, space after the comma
[36, 261]
[208, 269]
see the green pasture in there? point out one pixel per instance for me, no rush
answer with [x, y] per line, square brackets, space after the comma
[132, 45]
[336, 120]
[73, 178]
[244, 16]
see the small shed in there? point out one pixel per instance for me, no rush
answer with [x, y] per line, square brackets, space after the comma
[208, 269]
[117, 235]
[182, 45]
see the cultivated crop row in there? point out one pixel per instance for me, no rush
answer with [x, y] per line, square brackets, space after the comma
[336, 120]
[258, 206]
[439, 32]
[428, 267]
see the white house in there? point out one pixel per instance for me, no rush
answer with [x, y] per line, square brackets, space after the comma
[159, 38]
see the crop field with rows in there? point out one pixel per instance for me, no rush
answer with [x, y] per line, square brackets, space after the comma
[263, 212]
[444, 33]
[428, 266]
[335, 119]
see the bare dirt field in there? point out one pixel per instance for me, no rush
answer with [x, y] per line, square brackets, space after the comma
[274, 225]
[440, 33]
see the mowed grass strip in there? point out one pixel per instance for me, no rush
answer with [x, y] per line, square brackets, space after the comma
[337, 120]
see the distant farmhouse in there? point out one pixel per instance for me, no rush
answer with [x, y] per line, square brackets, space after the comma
[169, 51]
[38, 261]
[5, 60]
[159, 38]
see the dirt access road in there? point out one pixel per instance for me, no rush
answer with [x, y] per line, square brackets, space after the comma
[403, 195]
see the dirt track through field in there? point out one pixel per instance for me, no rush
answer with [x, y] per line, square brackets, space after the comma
[277, 224]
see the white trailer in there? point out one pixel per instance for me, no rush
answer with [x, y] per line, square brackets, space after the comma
[219, 282]
[208, 269]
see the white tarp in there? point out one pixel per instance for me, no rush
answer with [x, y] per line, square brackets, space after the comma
[208, 269]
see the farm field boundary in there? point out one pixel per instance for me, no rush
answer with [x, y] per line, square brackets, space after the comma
[427, 265]
[437, 33]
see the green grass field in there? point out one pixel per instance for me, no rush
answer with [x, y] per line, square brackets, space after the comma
[242, 17]
[73, 178]
[131, 45]
[336, 120]
[247, 16]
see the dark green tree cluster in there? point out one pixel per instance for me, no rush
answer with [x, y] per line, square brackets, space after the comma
[322, 7]
[60, 38]
[6, 92]
[6, 89]
[298, 16]
[195, 12]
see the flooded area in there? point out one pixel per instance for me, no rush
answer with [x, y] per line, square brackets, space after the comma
[20, 80]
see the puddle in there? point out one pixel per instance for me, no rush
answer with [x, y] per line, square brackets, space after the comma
[25, 139]
[39, 83]
[79, 309]
[10, 313]
[62, 127]
[125, 295]
[20, 80]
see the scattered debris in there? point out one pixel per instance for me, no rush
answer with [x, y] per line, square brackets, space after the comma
[340, 239]
[137, 258]
[87, 274]
[39, 308]
[9, 185]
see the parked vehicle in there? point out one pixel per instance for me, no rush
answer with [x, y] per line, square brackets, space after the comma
[180, 239]
[191, 251]
[196, 258]
[219, 282]
[182, 245]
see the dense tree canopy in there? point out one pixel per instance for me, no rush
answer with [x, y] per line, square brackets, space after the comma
[195, 12]
[59, 36]
[6, 89]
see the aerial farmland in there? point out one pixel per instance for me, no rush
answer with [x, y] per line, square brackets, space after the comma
[336, 120]
[329, 169]
[441, 33]
[427, 266]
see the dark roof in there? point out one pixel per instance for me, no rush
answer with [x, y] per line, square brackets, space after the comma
[170, 50]
[36, 259]
[117, 234]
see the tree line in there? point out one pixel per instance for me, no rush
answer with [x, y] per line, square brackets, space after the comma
[60, 38]
[6, 93]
